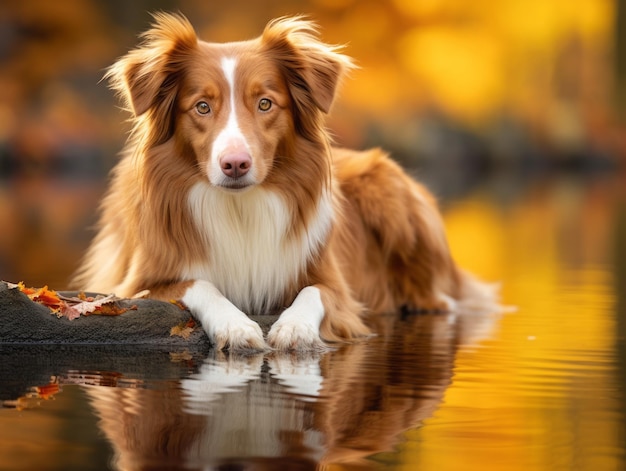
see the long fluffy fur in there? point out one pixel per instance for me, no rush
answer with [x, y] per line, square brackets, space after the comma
[353, 224]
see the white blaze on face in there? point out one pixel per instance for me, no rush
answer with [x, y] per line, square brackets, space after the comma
[230, 138]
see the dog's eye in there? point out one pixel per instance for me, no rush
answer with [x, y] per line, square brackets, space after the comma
[265, 104]
[203, 107]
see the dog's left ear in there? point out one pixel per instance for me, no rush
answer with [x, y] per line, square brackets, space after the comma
[313, 69]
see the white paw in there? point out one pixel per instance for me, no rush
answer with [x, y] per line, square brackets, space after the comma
[226, 326]
[236, 332]
[298, 328]
[291, 334]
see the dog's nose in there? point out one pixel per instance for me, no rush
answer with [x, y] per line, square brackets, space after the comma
[236, 164]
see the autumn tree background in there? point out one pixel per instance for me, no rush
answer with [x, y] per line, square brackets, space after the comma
[460, 90]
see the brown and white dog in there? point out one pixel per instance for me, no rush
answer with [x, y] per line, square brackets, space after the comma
[230, 197]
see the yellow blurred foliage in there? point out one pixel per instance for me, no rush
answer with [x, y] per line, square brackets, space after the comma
[460, 69]
[474, 57]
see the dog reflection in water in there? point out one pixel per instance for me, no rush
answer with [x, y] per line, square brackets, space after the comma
[282, 411]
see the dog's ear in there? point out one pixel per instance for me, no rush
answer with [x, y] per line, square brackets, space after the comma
[146, 77]
[312, 68]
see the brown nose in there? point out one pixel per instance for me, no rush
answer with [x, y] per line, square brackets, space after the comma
[236, 164]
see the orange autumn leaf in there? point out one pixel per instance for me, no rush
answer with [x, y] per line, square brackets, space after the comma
[48, 298]
[184, 329]
[44, 296]
[23, 289]
[72, 307]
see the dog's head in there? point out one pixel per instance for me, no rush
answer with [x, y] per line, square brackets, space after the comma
[233, 108]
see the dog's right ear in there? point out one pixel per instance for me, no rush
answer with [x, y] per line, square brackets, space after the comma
[144, 77]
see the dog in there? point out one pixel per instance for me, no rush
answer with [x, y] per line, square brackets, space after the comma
[231, 198]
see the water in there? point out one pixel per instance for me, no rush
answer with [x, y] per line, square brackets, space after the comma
[538, 389]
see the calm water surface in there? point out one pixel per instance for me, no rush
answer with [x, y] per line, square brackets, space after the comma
[538, 389]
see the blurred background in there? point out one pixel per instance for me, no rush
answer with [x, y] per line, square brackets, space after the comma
[469, 94]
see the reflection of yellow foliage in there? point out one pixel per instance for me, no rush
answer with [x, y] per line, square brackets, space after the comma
[540, 396]
[477, 238]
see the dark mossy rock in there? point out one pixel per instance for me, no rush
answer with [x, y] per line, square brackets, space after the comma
[24, 322]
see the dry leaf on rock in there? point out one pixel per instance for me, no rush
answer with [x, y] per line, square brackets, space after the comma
[184, 329]
[72, 307]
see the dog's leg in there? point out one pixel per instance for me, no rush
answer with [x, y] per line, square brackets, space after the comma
[321, 311]
[298, 327]
[226, 326]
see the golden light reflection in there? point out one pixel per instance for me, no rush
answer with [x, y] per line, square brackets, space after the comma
[539, 397]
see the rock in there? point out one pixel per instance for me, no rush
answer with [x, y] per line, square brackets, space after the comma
[24, 322]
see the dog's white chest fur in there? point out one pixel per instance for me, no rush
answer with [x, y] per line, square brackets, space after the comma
[253, 256]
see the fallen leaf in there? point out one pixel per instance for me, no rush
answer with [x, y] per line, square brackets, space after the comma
[75, 307]
[44, 296]
[49, 298]
[111, 309]
[72, 307]
[184, 329]
[69, 312]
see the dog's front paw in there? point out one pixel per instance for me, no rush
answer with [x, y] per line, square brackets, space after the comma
[298, 328]
[289, 334]
[237, 333]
